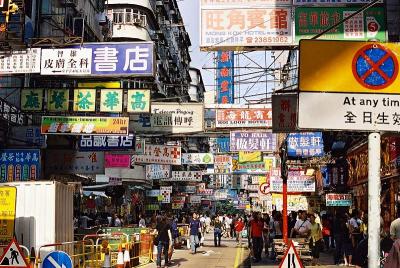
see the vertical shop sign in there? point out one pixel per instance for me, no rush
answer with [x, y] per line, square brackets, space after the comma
[111, 100]
[225, 77]
[32, 100]
[138, 101]
[20, 62]
[19, 165]
[58, 100]
[284, 112]
[8, 202]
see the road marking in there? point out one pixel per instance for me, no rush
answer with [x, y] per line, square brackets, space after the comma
[236, 265]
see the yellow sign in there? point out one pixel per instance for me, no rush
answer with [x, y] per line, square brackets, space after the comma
[342, 66]
[100, 85]
[85, 100]
[262, 179]
[111, 100]
[269, 163]
[57, 100]
[138, 101]
[8, 199]
[32, 99]
[250, 157]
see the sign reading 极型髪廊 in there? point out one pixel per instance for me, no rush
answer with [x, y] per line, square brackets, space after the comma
[170, 118]
[369, 24]
[106, 143]
[159, 154]
[297, 181]
[363, 112]
[73, 162]
[252, 141]
[225, 77]
[184, 176]
[8, 199]
[100, 59]
[363, 67]
[20, 62]
[197, 158]
[76, 125]
[246, 117]
[305, 144]
[117, 160]
[20, 164]
[284, 112]
[338, 200]
[157, 172]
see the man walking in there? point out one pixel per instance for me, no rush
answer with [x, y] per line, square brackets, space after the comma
[256, 228]
[194, 229]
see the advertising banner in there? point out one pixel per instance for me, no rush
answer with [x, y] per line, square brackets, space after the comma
[165, 193]
[225, 77]
[197, 159]
[117, 160]
[245, 157]
[305, 144]
[238, 118]
[159, 154]
[238, 27]
[73, 162]
[171, 118]
[134, 173]
[297, 181]
[106, 143]
[77, 125]
[339, 200]
[185, 176]
[369, 24]
[284, 112]
[29, 136]
[100, 59]
[252, 141]
[363, 112]
[8, 203]
[20, 165]
[157, 172]
[20, 62]
[195, 199]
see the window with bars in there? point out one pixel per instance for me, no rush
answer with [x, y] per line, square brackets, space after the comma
[129, 16]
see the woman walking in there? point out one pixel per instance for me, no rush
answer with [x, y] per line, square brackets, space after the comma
[316, 242]
[239, 226]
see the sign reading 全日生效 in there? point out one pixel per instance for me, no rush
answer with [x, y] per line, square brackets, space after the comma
[338, 200]
[363, 67]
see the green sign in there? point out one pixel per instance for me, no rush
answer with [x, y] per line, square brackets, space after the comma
[370, 24]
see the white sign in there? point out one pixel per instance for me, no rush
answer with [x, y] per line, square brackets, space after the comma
[185, 176]
[153, 193]
[284, 112]
[195, 199]
[66, 61]
[197, 158]
[206, 191]
[159, 154]
[73, 162]
[13, 256]
[297, 182]
[115, 181]
[136, 172]
[21, 62]
[364, 112]
[165, 192]
[330, 3]
[245, 27]
[291, 258]
[156, 172]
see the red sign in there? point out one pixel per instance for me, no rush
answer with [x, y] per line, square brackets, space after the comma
[264, 188]
[250, 117]
[13, 256]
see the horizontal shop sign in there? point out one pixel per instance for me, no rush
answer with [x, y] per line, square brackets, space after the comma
[159, 154]
[250, 141]
[197, 158]
[106, 143]
[339, 200]
[247, 117]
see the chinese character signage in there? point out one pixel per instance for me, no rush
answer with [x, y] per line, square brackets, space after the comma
[297, 181]
[73, 162]
[251, 167]
[195, 199]
[284, 112]
[115, 181]
[134, 173]
[11, 114]
[159, 154]
[117, 160]
[294, 202]
[369, 24]
[252, 141]
[20, 62]
[19, 165]
[75, 125]
[244, 3]
[32, 100]
[185, 176]
[223, 145]
[247, 117]
[106, 143]
[84, 100]
[153, 193]
[188, 189]
[66, 61]
[138, 101]
[245, 27]
[8, 203]
[197, 159]
[364, 112]
[29, 136]
[339, 200]
[171, 118]
[111, 100]
[165, 194]
[305, 144]
[58, 100]
[329, 3]
[157, 172]
[245, 157]
[225, 77]
[222, 164]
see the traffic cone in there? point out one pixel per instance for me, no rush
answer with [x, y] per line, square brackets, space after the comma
[127, 257]
[32, 258]
[120, 258]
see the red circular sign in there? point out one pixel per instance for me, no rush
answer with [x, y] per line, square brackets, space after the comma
[375, 66]
[264, 188]
[372, 26]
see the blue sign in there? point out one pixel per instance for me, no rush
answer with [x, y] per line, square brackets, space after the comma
[223, 145]
[306, 144]
[225, 72]
[27, 136]
[106, 143]
[122, 59]
[57, 259]
[19, 165]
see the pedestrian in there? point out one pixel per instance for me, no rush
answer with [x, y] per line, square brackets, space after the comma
[292, 221]
[302, 227]
[354, 225]
[316, 242]
[256, 228]
[228, 222]
[266, 220]
[217, 231]
[233, 223]
[277, 225]
[142, 222]
[239, 226]
[395, 228]
[208, 224]
[163, 240]
[326, 231]
[347, 241]
[194, 229]
[337, 233]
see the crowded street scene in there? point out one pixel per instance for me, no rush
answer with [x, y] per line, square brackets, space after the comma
[199, 133]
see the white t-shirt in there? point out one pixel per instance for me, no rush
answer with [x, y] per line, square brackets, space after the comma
[208, 220]
[356, 223]
[302, 226]
[202, 220]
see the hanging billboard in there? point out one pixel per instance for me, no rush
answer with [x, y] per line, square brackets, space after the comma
[246, 117]
[251, 141]
[225, 77]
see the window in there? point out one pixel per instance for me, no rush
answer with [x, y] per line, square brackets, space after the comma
[118, 15]
[128, 15]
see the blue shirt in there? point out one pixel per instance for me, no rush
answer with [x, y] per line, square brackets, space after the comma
[194, 227]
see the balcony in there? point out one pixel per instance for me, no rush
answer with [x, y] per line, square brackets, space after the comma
[130, 32]
[148, 4]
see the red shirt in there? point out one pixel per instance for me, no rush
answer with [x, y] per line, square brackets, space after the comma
[256, 228]
[239, 226]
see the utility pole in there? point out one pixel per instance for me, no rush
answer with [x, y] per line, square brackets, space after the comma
[284, 175]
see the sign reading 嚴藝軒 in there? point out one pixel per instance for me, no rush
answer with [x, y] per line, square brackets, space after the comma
[106, 143]
[237, 118]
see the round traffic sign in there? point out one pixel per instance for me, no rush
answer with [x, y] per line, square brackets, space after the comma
[264, 188]
[375, 66]
[57, 259]
[372, 26]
